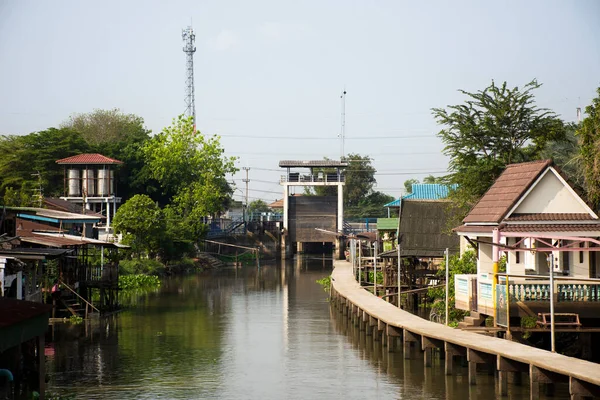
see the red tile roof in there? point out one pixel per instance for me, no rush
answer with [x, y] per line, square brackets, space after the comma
[551, 217]
[530, 228]
[506, 191]
[89, 159]
[474, 228]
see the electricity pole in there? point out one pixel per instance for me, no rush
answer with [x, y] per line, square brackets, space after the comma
[246, 181]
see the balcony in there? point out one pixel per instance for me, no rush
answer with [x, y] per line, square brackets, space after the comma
[308, 179]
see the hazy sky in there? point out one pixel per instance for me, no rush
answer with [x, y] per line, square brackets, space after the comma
[269, 73]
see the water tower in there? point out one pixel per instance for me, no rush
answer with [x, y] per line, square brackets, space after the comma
[89, 181]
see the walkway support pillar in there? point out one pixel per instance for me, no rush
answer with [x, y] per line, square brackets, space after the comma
[408, 339]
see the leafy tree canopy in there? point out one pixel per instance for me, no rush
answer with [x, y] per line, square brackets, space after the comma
[142, 224]
[495, 127]
[121, 136]
[37, 152]
[258, 206]
[408, 185]
[360, 178]
[589, 134]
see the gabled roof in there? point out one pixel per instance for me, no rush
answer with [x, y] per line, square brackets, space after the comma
[88, 159]
[506, 191]
[425, 191]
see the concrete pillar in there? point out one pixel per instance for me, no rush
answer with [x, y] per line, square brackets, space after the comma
[428, 355]
[340, 207]
[299, 247]
[407, 349]
[2, 267]
[534, 384]
[472, 373]
[107, 227]
[19, 279]
[448, 363]
[503, 382]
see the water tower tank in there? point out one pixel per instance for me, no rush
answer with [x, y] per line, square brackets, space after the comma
[74, 187]
[89, 187]
[103, 182]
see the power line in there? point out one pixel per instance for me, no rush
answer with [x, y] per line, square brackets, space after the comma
[327, 138]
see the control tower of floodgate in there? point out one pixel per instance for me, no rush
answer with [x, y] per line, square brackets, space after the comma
[312, 219]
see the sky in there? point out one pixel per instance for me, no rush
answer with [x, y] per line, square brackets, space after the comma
[269, 74]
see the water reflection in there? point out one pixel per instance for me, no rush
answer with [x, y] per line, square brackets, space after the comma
[243, 333]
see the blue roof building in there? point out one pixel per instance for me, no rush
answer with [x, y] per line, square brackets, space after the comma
[425, 191]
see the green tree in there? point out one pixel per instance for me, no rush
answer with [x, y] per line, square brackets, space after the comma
[432, 179]
[142, 224]
[190, 170]
[28, 155]
[258, 206]
[359, 178]
[370, 206]
[566, 154]
[121, 136]
[589, 133]
[495, 127]
[408, 185]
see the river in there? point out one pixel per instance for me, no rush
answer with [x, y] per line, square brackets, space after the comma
[245, 333]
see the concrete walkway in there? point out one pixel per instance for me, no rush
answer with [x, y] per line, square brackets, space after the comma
[583, 376]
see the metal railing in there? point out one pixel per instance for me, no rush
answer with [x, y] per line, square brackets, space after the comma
[311, 178]
[564, 292]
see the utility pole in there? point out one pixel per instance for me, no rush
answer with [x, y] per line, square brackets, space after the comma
[343, 129]
[246, 181]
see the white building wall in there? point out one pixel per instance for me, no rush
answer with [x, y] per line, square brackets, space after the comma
[550, 196]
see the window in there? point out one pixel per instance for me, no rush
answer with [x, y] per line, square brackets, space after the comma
[517, 253]
[581, 246]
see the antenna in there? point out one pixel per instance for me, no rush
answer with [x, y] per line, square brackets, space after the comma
[343, 130]
[189, 48]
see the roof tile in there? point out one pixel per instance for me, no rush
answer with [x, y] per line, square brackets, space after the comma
[505, 192]
[89, 159]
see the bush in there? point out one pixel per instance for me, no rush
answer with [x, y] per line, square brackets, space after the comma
[467, 264]
[141, 266]
[139, 281]
[326, 283]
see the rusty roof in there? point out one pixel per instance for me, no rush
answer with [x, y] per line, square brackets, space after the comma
[551, 217]
[89, 159]
[64, 205]
[506, 191]
[26, 227]
[474, 228]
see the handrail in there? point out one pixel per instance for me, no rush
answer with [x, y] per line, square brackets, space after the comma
[77, 294]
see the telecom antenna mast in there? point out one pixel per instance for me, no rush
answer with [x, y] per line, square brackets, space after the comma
[189, 48]
[343, 130]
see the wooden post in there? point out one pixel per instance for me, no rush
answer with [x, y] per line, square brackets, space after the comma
[41, 367]
[472, 373]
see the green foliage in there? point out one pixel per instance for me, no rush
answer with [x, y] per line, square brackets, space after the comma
[371, 206]
[75, 319]
[142, 223]
[325, 283]
[379, 277]
[27, 155]
[23, 197]
[258, 206]
[528, 322]
[433, 179]
[138, 281]
[120, 136]
[141, 266]
[566, 154]
[467, 264]
[495, 127]
[408, 185]
[589, 134]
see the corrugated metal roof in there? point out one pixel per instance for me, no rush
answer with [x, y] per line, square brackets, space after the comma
[89, 159]
[312, 163]
[44, 214]
[506, 191]
[425, 191]
[67, 206]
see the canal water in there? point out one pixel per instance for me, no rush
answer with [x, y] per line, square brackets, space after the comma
[245, 333]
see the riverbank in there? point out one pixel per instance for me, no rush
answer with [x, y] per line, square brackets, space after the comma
[388, 323]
